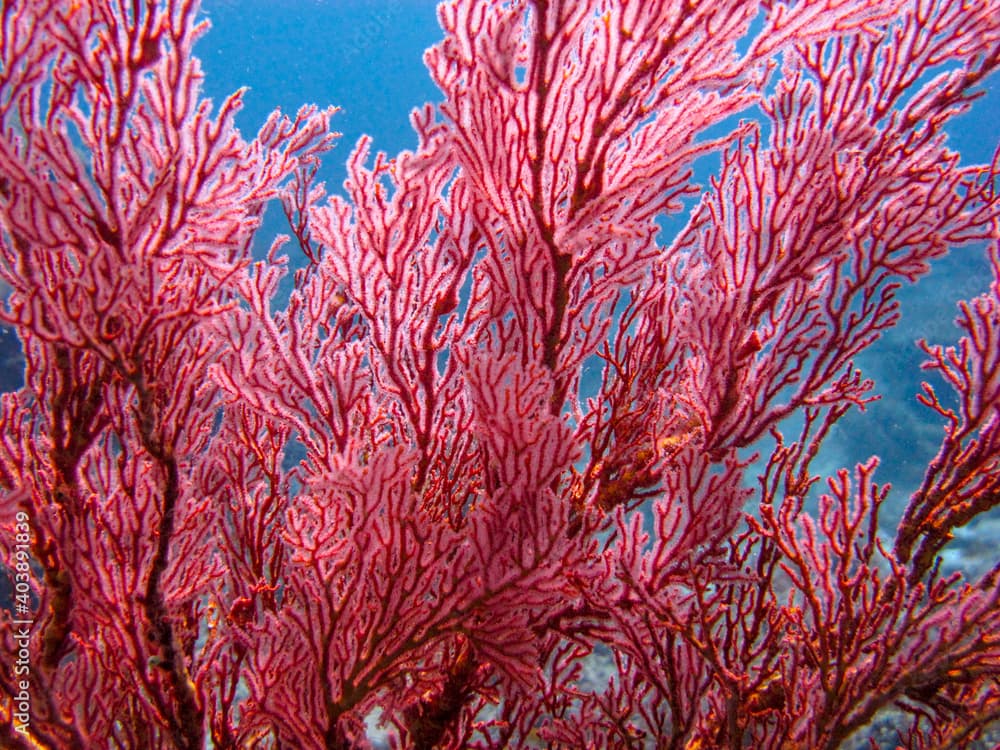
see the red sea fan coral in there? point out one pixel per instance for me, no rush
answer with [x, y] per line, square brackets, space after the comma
[394, 501]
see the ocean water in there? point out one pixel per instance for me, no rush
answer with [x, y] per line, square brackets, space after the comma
[365, 56]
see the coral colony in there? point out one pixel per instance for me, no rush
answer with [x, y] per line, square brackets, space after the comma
[394, 510]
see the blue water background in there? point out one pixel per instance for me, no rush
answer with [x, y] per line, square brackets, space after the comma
[366, 57]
